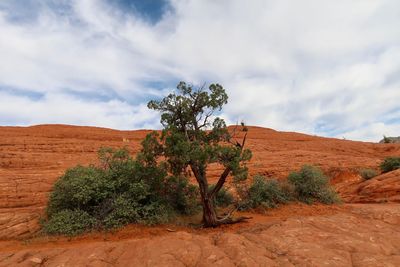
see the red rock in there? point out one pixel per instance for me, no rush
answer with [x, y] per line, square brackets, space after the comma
[31, 159]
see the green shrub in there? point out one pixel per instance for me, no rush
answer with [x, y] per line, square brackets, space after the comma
[223, 198]
[125, 211]
[69, 222]
[310, 185]
[329, 196]
[390, 164]
[119, 191]
[264, 193]
[79, 188]
[367, 174]
[183, 197]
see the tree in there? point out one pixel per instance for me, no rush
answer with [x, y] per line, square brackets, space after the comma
[193, 138]
[386, 139]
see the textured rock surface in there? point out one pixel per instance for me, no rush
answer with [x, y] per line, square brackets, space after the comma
[352, 235]
[31, 159]
[380, 189]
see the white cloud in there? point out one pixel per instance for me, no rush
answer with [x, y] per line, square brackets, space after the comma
[53, 108]
[372, 132]
[321, 67]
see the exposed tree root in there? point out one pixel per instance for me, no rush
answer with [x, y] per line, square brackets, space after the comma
[228, 215]
[231, 220]
[228, 219]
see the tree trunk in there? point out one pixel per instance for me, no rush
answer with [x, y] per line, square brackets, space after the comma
[210, 218]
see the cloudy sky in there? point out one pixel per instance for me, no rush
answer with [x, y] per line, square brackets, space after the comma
[323, 67]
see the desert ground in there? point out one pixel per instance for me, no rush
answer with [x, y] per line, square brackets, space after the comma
[363, 231]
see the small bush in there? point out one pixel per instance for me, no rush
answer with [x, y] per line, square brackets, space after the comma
[265, 193]
[390, 164]
[69, 222]
[310, 185]
[79, 188]
[223, 198]
[367, 174]
[329, 196]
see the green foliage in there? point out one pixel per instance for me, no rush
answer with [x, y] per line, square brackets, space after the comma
[79, 188]
[178, 110]
[119, 191]
[69, 222]
[367, 174]
[223, 198]
[182, 196]
[310, 185]
[329, 196]
[125, 210]
[265, 193]
[390, 164]
[307, 185]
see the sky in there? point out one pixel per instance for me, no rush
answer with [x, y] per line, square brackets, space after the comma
[321, 67]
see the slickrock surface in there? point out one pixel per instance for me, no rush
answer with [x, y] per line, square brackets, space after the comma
[31, 159]
[349, 235]
[380, 189]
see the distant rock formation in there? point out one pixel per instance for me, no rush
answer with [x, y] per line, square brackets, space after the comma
[390, 140]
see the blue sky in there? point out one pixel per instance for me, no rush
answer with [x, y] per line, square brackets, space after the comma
[328, 68]
[150, 10]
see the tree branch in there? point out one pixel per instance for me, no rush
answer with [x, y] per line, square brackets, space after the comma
[243, 141]
[205, 119]
[229, 220]
[220, 182]
[226, 172]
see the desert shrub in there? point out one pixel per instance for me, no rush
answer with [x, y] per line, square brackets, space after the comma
[79, 188]
[183, 196]
[125, 210]
[390, 164]
[119, 191]
[329, 196]
[265, 193]
[310, 185]
[367, 174]
[223, 198]
[69, 222]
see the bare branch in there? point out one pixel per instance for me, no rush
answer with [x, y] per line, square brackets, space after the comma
[243, 141]
[220, 182]
[229, 220]
[229, 214]
[208, 115]
[235, 142]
